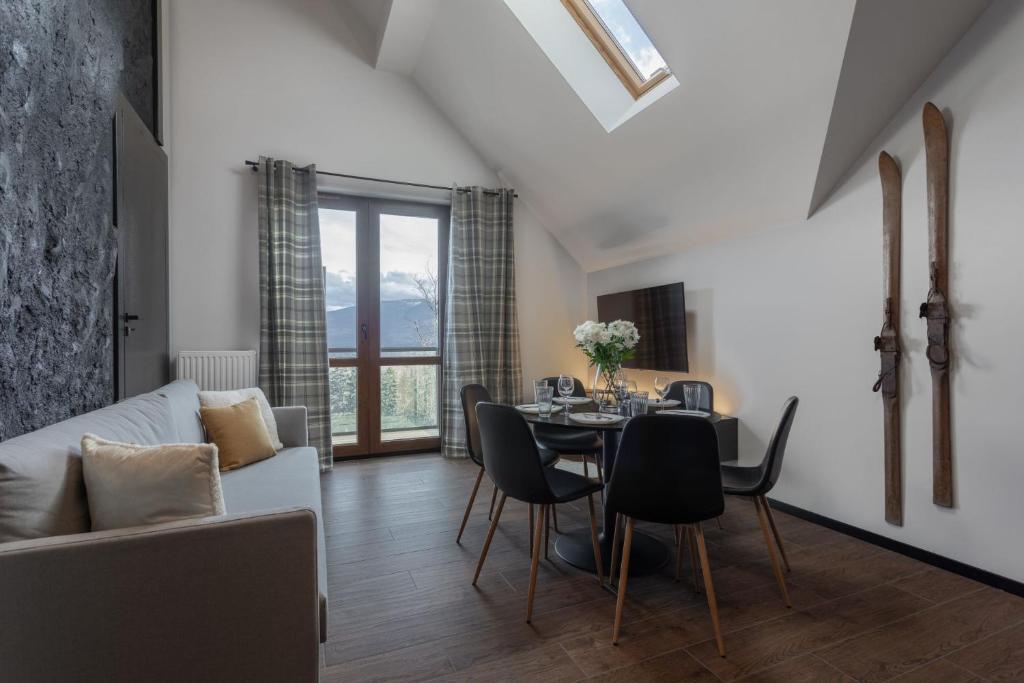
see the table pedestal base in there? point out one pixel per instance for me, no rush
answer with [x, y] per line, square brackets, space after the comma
[648, 554]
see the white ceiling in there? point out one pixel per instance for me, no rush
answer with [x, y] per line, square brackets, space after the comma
[739, 146]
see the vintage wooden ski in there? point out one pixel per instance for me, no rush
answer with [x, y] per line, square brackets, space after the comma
[888, 341]
[936, 308]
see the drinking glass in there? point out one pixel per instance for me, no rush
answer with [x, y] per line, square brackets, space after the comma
[692, 396]
[638, 402]
[538, 384]
[566, 384]
[544, 396]
[661, 385]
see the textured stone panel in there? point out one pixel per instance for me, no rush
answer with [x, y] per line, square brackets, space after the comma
[62, 63]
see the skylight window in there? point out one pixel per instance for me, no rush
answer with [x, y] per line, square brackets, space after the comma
[615, 33]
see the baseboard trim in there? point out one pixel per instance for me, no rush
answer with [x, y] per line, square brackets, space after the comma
[940, 561]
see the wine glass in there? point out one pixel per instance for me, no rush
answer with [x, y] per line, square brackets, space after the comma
[661, 385]
[566, 385]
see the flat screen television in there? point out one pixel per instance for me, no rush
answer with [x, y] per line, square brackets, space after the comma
[659, 314]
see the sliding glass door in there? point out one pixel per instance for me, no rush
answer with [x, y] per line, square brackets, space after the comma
[384, 265]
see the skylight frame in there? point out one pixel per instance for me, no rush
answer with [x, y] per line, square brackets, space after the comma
[612, 52]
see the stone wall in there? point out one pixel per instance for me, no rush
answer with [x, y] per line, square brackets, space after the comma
[62, 63]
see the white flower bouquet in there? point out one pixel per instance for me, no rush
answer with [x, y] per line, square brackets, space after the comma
[608, 346]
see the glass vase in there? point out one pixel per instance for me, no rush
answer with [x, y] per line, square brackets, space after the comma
[604, 387]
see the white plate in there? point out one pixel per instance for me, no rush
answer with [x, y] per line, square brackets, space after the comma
[595, 418]
[532, 408]
[572, 400]
[698, 413]
[663, 403]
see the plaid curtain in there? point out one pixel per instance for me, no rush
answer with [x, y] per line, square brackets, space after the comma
[293, 329]
[481, 343]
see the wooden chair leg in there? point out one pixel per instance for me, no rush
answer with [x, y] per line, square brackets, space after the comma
[616, 537]
[762, 518]
[690, 537]
[679, 552]
[775, 531]
[594, 542]
[531, 525]
[554, 518]
[547, 530]
[490, 535]
[627, 546]
[494, 497]
[534, 561]
[469, 505]
[709, 588]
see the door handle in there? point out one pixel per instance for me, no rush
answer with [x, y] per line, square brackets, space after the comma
[129, 316]
[366, 331]
[128, 330]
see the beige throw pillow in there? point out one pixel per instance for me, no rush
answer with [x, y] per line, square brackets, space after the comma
[131, 485]
[239, 433]
[222, 399]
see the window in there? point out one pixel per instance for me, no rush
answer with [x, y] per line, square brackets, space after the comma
[615, 33]
[383, 265]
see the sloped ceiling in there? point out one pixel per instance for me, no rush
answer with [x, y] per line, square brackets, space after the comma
[760, 124]
[733, 149]
[892, 48]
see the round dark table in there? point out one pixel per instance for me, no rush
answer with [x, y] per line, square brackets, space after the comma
[648, 554]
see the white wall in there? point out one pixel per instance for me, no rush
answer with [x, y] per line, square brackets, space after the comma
[794, 311]
[279, 78]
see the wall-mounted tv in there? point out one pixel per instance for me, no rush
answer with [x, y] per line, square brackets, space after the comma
[659, 314]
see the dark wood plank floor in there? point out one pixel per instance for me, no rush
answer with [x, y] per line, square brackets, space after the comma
[402, 607]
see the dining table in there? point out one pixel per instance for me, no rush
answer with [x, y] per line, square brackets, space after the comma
[649, 554]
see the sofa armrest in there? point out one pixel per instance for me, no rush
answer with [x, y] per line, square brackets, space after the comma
[230, 598]
[292, 427]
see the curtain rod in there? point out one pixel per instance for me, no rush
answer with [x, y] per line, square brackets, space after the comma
[255, 165]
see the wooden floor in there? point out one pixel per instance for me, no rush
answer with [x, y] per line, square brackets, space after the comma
[402, 607]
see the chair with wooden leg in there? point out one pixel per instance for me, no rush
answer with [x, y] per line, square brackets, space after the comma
[757, 480]
[582, 442]
[511, 458]
[666, 472]
[471, 394]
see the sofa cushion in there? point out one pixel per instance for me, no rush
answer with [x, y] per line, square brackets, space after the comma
[183, 395]
[223, 399]
[289, 479]
[130, 485]
[240, 434]
[41, 482]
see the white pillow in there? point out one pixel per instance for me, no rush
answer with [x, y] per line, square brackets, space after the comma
[223, 399]
[130, 485]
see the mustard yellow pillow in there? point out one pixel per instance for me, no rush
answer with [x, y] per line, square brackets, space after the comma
[239, 432]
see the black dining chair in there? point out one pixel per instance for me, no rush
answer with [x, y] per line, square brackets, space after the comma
[677, 389]
[471, 394]
[666, 472]
[585, 443]
[756, 481]
[511, 458]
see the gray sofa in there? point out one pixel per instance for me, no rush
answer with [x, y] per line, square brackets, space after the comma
[235, 598]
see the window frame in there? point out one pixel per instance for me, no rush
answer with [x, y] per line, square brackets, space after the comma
[368, 360]
[608, 47]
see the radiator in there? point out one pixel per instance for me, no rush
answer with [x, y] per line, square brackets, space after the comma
[218, 370]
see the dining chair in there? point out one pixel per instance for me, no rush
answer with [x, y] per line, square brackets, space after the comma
[755, 481]
[585, 443]
[471, 394]
[511, 458]
[677, 389]
[666, 472]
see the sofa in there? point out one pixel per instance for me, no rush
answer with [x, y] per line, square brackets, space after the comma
[240, 597]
